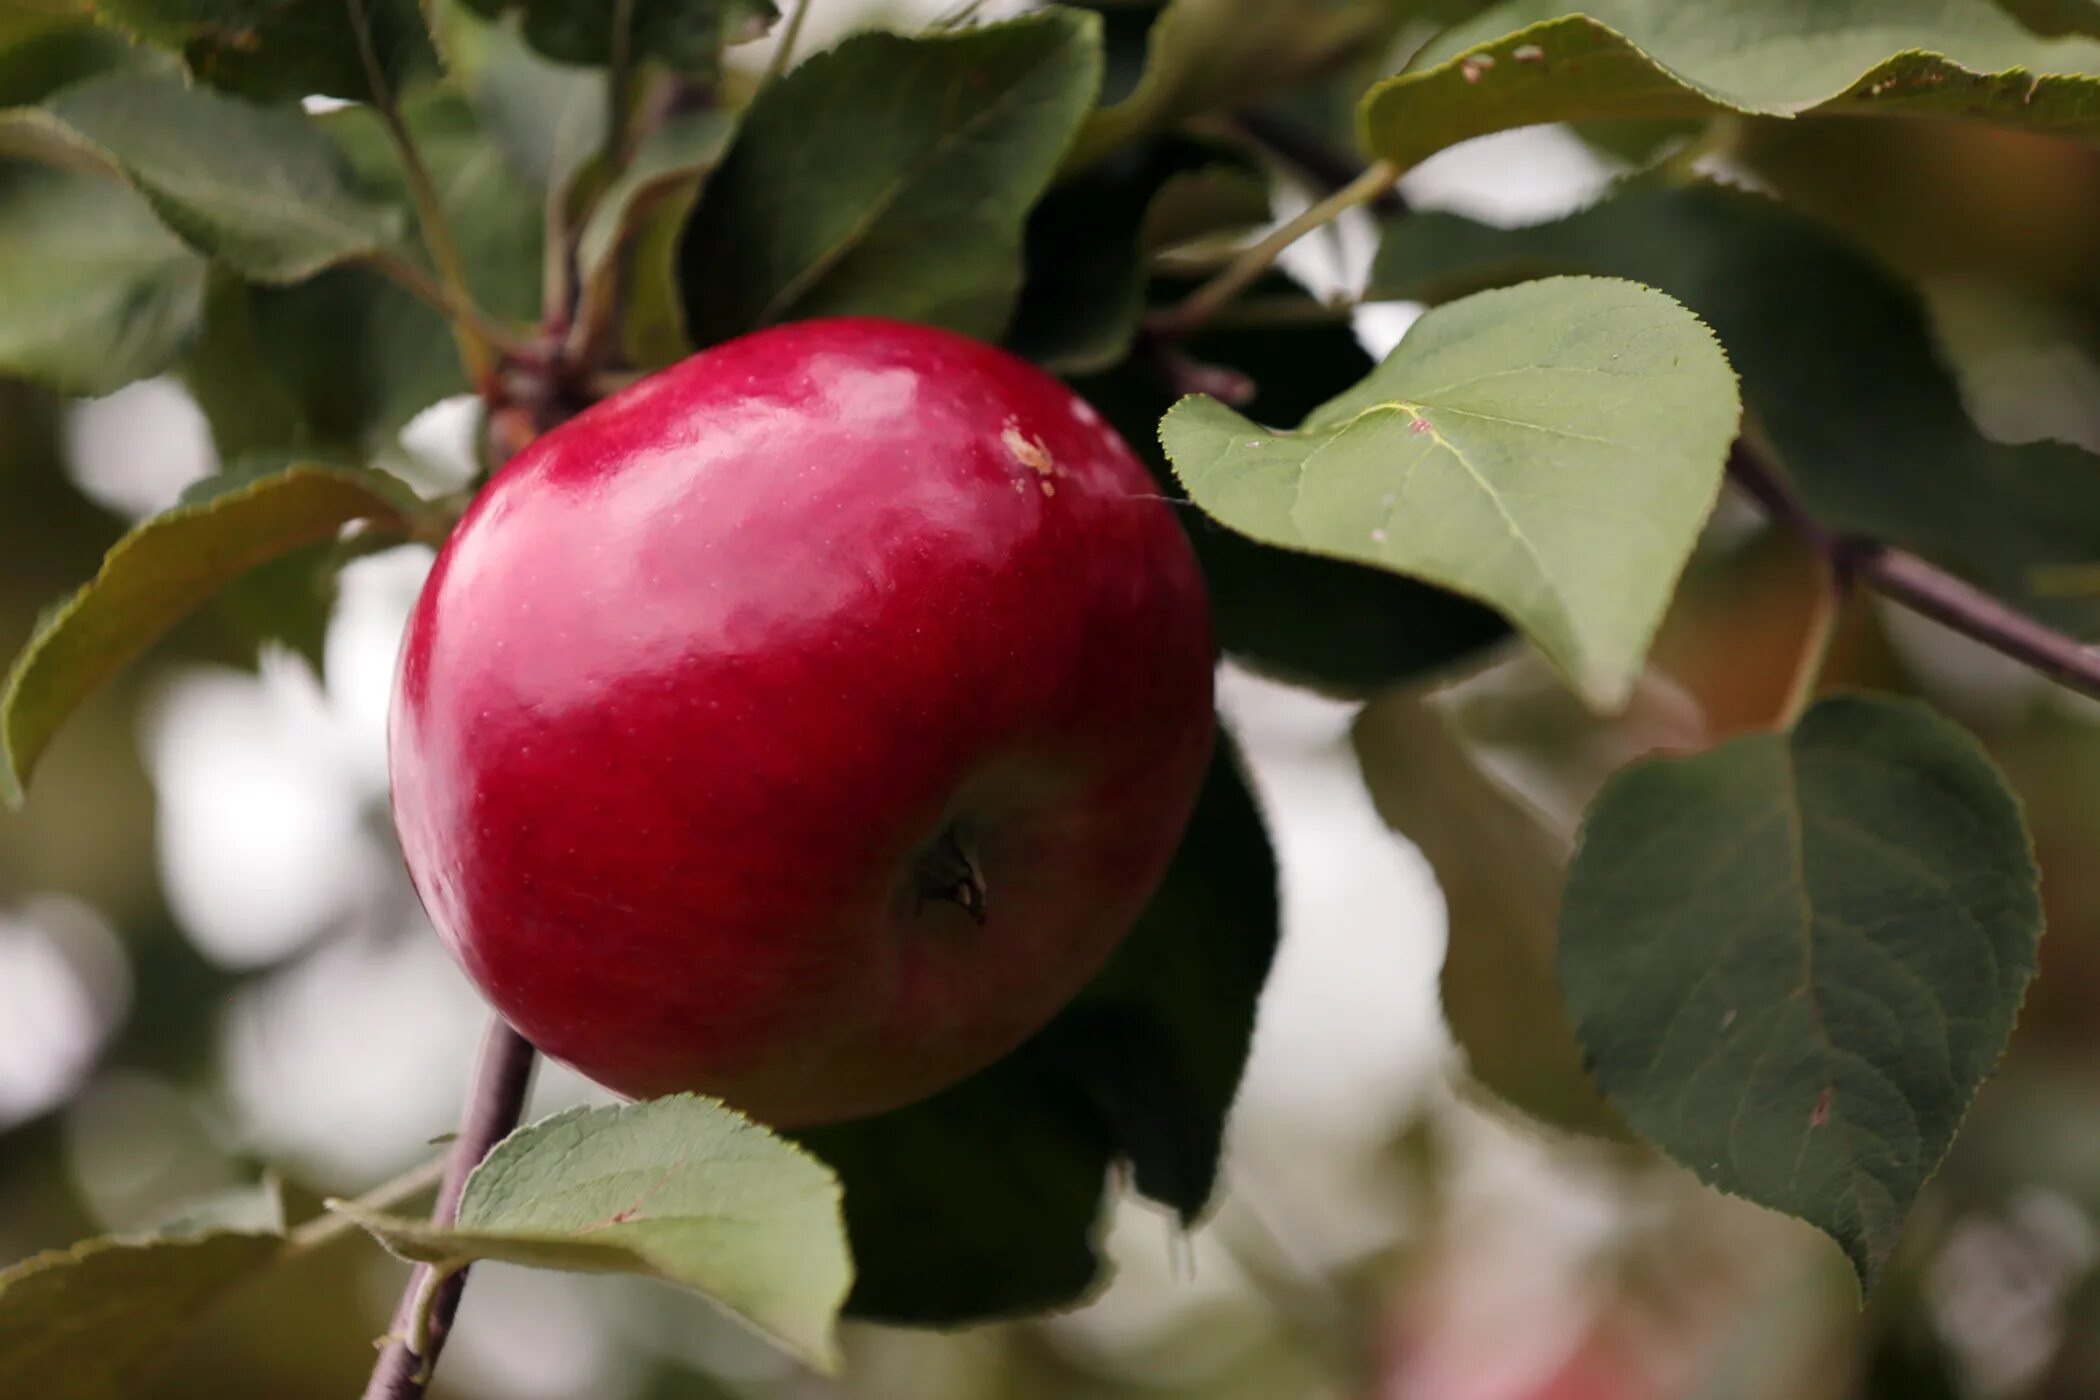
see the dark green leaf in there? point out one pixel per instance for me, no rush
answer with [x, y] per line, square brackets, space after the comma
[274, 49]
[94, 293]
[1207, 54]
[1337, 626]
[86, 1323]
[1500, 868]
[1086, 256]
[167, 566]
[981, 1201]
[680, 1189]
[548, 117]
[261, 187]
[265, 380]
[890, 177]
[1531, 61]
[41, 53]
[1839, 375]
[686, 34]
[1793, 959]
[1551, 450]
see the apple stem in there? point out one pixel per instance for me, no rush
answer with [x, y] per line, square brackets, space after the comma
[424, 1318]
[946, 872]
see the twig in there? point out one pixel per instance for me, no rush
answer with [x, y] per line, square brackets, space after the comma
[1923, 587]
[1322, 164]
[1248, 267]
[784, 51]
[494, 1103]
[412, 278]
[475, 348]
[331, 1226]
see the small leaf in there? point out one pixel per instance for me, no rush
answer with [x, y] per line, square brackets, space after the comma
[261, 187]
[670, 165]
[1839, 374]
[1793, 959]
[85, 1323]
[1530, 61]
[1500, 868]
[94, 293]
[680, 1189]
[685, 34]
[548, 117]
[162, 570]
[1550, 449]
[284, 48]
[983, 1200]
[890, 177]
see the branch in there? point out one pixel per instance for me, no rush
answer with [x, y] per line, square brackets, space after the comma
[1321, 164]
[1923, 587]
[494, 1104]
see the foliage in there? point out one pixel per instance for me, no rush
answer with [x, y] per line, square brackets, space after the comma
[1786, 961]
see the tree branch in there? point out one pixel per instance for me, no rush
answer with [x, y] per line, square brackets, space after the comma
[494, 1103]
[1921, 586]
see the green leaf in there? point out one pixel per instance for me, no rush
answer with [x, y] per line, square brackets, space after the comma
[1551, 449]
[668, 168]
[273, 49]
[890, 177]
[86, 1323]
[266, 381]
[1530, 61]
[1839, 373]
[1336, 626]
[1501, 869]
[163, 569]
[1793, 959]
[1087, 246]
[685, 34]
[94, 293]
[261, 187]
[1205, 54]
[982, 1201]
[548, 117]
[680, 1189]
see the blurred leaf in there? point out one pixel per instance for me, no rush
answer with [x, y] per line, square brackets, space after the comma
[41, 53]
[1501, 868]
[94, 293]
[1550, 449]
[982, 1201]
[261, 187]
[890, 177]
[1792, 959]
[2025, 363]
[686, 34]
[1086, 256]
[681, 1189]
[1838, 373]
[1530, 61]
[84, 1323]
[1205, 54]
[164, 568]
[1336, 626]
[664, 176]
[548, 117]
[275, 49]
[266, 381]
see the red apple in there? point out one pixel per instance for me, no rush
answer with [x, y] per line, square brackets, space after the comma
[805, 724]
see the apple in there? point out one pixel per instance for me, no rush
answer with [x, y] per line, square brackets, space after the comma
[806, 724]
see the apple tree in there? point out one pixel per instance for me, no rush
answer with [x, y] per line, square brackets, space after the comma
[1785, 957]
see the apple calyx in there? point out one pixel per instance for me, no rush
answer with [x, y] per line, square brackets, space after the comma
[946, 872]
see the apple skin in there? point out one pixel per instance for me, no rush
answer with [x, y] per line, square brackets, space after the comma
[712, 679]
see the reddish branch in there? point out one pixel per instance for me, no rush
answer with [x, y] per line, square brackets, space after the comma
[1922, 587]
[494, 1104]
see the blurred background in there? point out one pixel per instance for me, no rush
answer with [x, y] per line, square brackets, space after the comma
[211, 962]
